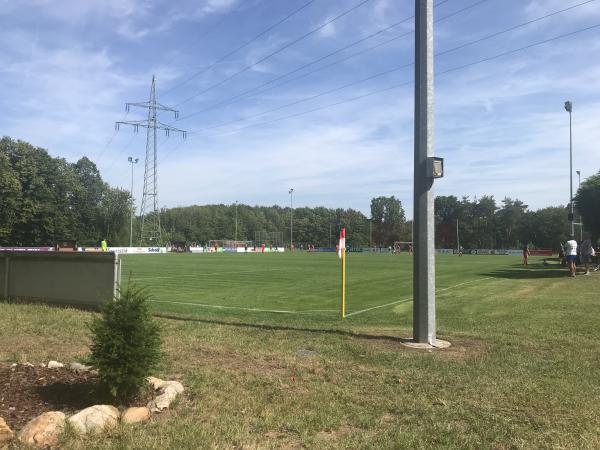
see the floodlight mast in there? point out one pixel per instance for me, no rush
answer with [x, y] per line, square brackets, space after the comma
[291, 192]
[424, 330]
[132, 161]
[569, 109]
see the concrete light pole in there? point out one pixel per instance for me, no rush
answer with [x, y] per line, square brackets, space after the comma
[424, 331]
[569, 109]
[578, 172]
[132, 162]
[291, 192]
[236, 204]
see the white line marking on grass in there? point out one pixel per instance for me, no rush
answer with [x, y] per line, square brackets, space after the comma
[201, 274]
[404, 300]
[278, 311]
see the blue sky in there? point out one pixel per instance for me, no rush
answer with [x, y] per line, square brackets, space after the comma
[69, 66]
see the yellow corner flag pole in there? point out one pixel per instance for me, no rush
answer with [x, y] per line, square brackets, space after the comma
[343, 283]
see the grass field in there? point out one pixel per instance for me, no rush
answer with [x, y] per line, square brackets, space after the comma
[522, 371]
[305, 287]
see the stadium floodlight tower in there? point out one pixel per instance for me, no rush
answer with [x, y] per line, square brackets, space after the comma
[569, 109]
[150, 230]
[426, 169]
[291, 192]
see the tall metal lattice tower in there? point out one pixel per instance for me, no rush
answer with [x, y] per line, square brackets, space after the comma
[150, 230]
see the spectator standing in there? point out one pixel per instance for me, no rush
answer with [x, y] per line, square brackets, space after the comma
[571, 255]
[587, 252]
[525, 254]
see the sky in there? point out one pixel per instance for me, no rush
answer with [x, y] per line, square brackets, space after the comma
[339, 129]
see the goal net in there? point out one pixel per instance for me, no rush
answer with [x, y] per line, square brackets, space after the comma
[268, 238]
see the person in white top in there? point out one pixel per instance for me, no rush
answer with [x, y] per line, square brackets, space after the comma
[587, 251]
[571, 254]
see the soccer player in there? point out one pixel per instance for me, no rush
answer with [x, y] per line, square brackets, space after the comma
[104, 245]
[571, 254]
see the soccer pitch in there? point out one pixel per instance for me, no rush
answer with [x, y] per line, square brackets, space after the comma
[301, 287]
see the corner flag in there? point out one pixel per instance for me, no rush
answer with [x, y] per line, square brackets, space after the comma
[342, 244]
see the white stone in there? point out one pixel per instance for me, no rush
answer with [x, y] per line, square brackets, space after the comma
[95, 419]
[156, 383]
[14, 365]
[173, 385]
[135, 414]
[44, 430]
[55, 365]
[28, 364]
[162, 401]
[6, 433]
[79, 368]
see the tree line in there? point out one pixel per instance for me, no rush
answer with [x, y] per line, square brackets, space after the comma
[45, 199]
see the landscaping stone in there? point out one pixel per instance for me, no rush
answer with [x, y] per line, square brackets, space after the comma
[162, 401]
[55, 365]
[79, 368]
[176, 385]
[95, 419]
[156, 383]
[135, 414]
[6, 433]
[168, 392]
[44, 430]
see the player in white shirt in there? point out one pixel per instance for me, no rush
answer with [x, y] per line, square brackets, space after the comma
[571, 255]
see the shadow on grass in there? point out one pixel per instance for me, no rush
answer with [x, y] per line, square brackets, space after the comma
[270, 327]
[530, 272]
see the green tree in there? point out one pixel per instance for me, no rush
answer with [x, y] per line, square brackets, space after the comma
[587, 202]
[387, 216]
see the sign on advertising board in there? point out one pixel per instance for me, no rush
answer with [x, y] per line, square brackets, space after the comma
[444, 250]
[26, 249]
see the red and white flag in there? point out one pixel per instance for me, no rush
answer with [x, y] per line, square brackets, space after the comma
[342, 244]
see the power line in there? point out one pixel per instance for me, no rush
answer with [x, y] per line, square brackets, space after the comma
[237, 49]
[396, 86]
[256, 89]
[112, 137]
[279, 50]
[380, 74]
[125, 147]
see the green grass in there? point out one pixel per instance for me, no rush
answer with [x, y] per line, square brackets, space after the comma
[521, 373]
[304, 287]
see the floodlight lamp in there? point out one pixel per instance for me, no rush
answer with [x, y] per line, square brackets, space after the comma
[130, 159]
[435, 167]
[136, 160]
[568, 106]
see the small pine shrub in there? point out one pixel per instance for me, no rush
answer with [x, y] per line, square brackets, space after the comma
[126, 343]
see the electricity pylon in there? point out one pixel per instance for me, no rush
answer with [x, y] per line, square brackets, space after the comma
[150, 230]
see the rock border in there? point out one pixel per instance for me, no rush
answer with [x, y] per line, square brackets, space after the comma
[45, 429]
